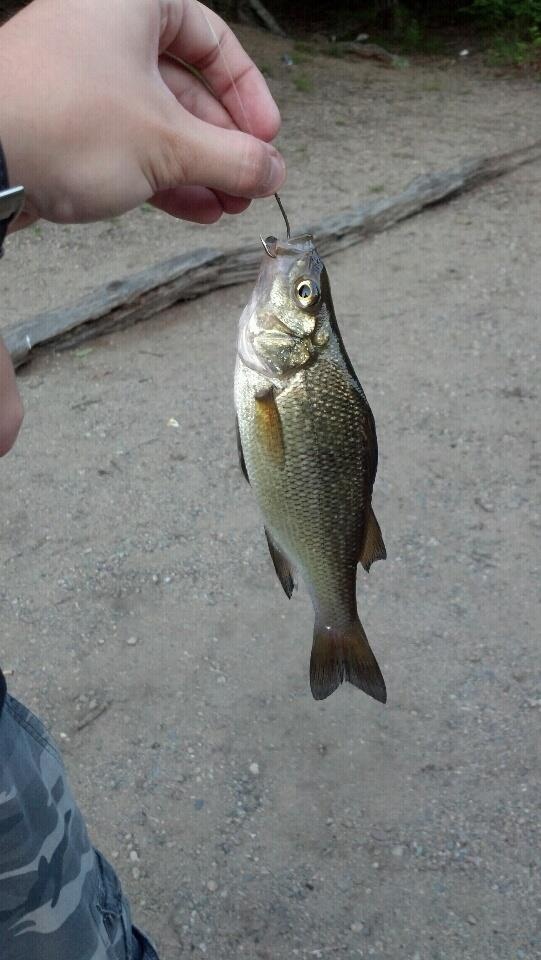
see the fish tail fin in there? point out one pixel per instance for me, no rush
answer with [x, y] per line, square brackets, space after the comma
[339, 655]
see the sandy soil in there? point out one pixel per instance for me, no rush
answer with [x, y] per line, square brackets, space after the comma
[136, 580]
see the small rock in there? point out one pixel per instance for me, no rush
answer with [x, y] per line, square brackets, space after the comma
[131, 641]
[136, 873]
[134, 856]
[471, 920]
[254, 769]
[357, 927]
[212, 886]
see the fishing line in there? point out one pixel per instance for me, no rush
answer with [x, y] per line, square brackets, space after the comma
[246, 119]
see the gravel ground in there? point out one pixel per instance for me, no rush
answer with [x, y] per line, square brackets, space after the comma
[141, 616]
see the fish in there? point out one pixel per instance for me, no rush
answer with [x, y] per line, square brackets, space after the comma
[307, 446]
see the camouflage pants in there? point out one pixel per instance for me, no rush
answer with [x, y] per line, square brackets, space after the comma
[59, 897]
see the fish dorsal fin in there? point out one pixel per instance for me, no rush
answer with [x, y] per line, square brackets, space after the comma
[373, 547]
[269, 425]
[281, 565]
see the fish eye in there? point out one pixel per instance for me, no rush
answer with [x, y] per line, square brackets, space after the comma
[307, 292]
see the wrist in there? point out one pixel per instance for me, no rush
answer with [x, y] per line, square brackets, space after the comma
[11, 199]
[20, 116]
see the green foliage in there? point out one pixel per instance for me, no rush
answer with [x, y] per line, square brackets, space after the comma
[300, 46]
[302, 82]
[509, 29]
[412, 34]
[521, 15]
[512, 51]
[334, 50]
[409, 20]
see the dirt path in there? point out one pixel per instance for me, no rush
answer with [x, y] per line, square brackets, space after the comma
[266, 825]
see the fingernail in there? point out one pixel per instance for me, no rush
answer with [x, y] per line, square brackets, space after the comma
[277, 172]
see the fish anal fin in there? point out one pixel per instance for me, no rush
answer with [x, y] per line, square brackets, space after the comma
[373, 547]
[269, 426]
[242, 461]
[344, 654]
[281, 565]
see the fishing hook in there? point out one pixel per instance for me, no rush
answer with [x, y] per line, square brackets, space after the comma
[266, 245]
[279, 202]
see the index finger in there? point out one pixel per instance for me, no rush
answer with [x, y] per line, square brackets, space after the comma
[201, 38]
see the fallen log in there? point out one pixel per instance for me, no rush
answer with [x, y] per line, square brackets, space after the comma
[124, 302]
[367, 51]
[265, 16]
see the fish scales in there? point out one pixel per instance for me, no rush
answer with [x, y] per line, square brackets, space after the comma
[317, 497]
[308, 442]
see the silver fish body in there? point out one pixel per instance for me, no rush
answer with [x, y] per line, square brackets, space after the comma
[308, 447]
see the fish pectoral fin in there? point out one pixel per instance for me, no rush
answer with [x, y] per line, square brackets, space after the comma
[373, 547]
[269, 426]
[242, 461]
[339, 655]
[281, 565]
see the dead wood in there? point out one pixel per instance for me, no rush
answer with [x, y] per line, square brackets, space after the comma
[139, 297]
[368, 51]
[255, 11]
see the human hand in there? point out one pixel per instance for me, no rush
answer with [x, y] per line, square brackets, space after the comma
[11, 408]
[96, 118]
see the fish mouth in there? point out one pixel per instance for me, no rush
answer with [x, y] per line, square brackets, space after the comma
[295, 246]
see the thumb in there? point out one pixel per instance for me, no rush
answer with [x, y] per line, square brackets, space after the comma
[204, 155]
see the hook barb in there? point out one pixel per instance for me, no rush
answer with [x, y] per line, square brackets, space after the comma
[266, 245]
